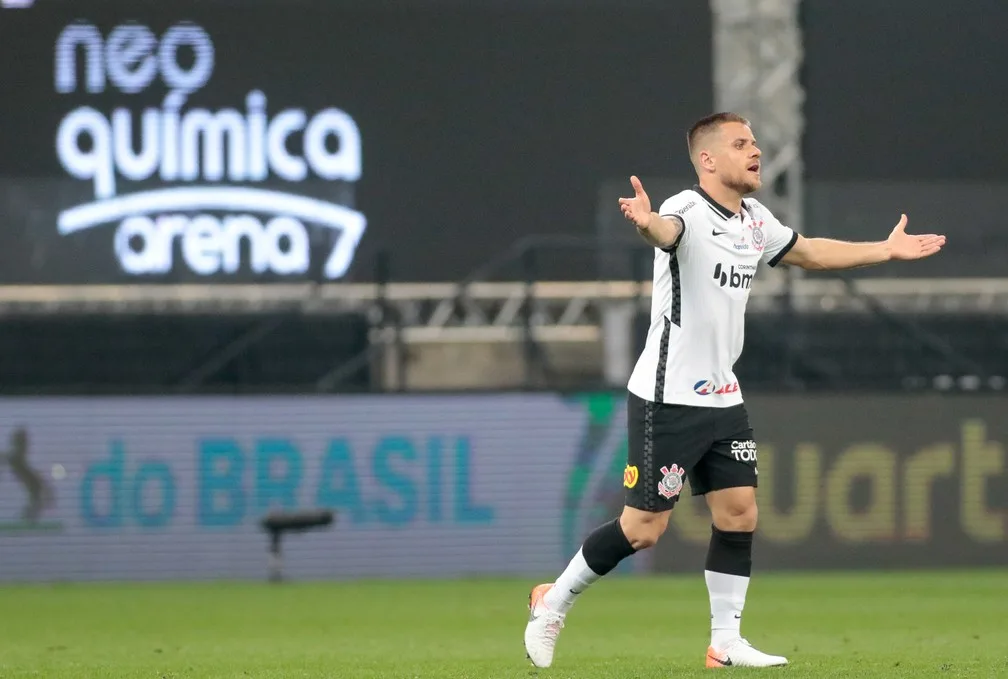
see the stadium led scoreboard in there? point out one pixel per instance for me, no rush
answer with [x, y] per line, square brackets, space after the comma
[282, 141]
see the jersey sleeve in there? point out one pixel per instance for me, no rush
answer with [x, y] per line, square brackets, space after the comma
[779, 239]
[678, 206]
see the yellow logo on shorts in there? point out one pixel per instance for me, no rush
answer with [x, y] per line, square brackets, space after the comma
[630, 476]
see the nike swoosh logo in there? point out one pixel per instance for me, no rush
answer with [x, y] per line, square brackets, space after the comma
[738, 617]
[715, 232]
[723, 663]
[574, 592]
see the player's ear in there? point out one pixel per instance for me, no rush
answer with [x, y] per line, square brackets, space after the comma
[706, 161]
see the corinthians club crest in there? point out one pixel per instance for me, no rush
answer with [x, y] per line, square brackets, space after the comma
[672, 483]
[758, 237]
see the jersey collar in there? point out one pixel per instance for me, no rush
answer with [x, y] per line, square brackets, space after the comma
[716, 206]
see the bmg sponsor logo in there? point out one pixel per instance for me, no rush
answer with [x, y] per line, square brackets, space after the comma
[206, 162]
[737, 277]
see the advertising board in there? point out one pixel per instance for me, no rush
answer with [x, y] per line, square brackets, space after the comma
[448, 486]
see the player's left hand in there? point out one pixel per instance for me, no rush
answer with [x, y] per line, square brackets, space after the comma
[903, 245]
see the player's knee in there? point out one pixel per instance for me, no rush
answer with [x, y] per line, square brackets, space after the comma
[643, 535]
[643, 529]
[737, 516]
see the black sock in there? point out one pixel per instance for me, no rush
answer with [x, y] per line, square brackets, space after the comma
[730, 552]
[606, 547]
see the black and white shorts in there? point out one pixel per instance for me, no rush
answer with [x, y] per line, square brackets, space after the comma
[667, 443]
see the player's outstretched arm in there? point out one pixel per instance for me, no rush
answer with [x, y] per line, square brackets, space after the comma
[660, 232]
[828, 254]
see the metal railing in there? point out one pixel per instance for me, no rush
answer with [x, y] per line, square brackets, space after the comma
[534, 312]
[507, 300]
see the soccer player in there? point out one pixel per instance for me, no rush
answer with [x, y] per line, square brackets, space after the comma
[685, 413]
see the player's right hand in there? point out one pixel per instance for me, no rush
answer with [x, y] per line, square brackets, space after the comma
[638, 208]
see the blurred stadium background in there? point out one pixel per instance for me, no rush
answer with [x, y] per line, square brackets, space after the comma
[365, 257]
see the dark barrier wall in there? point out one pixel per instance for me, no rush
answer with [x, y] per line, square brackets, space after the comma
[444, 486]
[904, 90]
[445, 131]
[901, 101]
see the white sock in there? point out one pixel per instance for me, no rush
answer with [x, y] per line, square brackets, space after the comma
[727, 599]
[572, 582]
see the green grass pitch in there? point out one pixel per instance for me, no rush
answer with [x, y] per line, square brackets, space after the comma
[919, 625]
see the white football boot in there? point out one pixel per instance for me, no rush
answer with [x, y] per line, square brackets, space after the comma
[543, 628]
[740, 653]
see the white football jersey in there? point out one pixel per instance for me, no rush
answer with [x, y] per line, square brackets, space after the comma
[701, 286]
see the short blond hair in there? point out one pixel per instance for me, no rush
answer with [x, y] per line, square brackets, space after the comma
[709, 124]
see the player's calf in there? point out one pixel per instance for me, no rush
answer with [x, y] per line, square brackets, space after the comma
[601, 552]
[729, 560]
[727, 572]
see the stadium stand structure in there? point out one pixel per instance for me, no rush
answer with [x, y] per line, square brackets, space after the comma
[808, 334]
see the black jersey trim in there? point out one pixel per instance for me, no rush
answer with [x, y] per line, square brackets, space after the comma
[784, 250]
[675, 312]
[674, 317]
[648, 472]
[682, 232]
[659, 384]
[724, 212]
